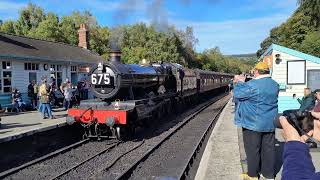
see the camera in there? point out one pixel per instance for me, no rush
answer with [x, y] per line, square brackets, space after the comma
[302, 121]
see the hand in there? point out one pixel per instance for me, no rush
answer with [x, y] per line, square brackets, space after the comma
[316, 129]
[241, 78]
[315, 114]
[290, 133]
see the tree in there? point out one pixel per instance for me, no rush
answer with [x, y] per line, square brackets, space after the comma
[69, 25]
[68, 29]
[29, 18]
[312, 8]
[8, 27]
[311, 44]
[48, 29]
[289, 34]
[99, 40]
[137, 42]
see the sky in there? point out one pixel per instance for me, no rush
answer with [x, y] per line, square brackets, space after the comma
[235, 26]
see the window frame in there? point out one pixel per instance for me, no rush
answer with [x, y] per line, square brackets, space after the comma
[8, 68]
[30, 66]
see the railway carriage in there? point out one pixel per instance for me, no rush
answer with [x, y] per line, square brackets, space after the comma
[132, 95]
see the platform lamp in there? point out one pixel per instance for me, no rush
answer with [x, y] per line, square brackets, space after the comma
[278, 59]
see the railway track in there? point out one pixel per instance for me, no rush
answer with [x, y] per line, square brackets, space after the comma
[119, 159]
[43, 158]
[108, 146]
[183, 172]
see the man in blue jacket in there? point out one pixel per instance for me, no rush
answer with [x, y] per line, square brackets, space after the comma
[256, 109]
[297, 163]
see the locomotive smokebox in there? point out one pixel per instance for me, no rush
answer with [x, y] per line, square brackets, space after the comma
[115, 56]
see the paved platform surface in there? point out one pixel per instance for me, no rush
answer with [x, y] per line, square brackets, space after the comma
[224, 156]
[17, 125]
[221, 158]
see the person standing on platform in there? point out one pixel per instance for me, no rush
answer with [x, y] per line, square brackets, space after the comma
[44, 94]
[67, 95]
[36, 94]
[257, 108]
[32, 95]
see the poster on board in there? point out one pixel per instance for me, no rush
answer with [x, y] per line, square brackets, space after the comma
[296, 72]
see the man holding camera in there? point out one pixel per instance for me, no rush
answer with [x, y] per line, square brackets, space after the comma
[256, 109]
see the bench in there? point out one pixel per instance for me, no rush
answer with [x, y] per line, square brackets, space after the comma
[5, 101]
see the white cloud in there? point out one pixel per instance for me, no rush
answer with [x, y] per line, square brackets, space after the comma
[9, 10]
[10, 6]
[233, 36]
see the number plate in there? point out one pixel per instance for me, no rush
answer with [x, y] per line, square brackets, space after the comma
[100, 79]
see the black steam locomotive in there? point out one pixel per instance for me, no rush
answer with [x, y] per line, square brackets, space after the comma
[130, 95]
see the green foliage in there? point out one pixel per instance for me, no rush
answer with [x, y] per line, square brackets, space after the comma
[47, 29]
[299, 31]
[7, 26]
[212, 59]
[312, 9]
[311, 44]
[137, 42]
[29, 19]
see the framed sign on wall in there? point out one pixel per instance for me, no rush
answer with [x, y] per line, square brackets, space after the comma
[296, 72]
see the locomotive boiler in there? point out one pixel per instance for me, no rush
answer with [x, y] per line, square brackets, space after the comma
[115, 80]
[132, 95]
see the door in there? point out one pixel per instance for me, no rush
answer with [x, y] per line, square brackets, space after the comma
[313, 79]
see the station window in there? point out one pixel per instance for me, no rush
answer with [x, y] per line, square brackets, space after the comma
[32, 76]
[59, 68]
[73, 68]
[31, 66]
[52, 67]
[56, 72]
[5, 77]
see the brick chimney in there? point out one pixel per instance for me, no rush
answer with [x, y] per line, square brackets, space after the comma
[83, 36]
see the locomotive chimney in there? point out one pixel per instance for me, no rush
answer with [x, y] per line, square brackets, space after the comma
[115, 56]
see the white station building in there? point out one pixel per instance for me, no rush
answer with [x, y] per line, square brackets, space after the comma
[23, 59]
[294, 71]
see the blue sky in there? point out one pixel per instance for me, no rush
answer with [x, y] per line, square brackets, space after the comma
[236, 26]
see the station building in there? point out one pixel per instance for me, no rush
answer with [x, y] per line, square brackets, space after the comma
[294, 71]
[23, 59]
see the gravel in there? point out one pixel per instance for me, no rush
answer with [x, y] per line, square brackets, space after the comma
[171, 157]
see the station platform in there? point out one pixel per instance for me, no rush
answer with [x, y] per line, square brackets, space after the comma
[18, 125]
[224, 156]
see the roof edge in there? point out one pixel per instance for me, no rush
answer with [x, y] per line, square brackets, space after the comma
[296, 53]
[9, 56]
[292, 52]
[92, 52]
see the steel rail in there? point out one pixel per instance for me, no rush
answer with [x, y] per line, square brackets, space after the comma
[40, 159]
[126, 174]
[112, 145]
[184, 173]
[116, 159]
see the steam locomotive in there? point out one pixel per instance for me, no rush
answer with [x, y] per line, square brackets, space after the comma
[132, 95]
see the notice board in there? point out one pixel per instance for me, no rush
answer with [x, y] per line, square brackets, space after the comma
[296, 72]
